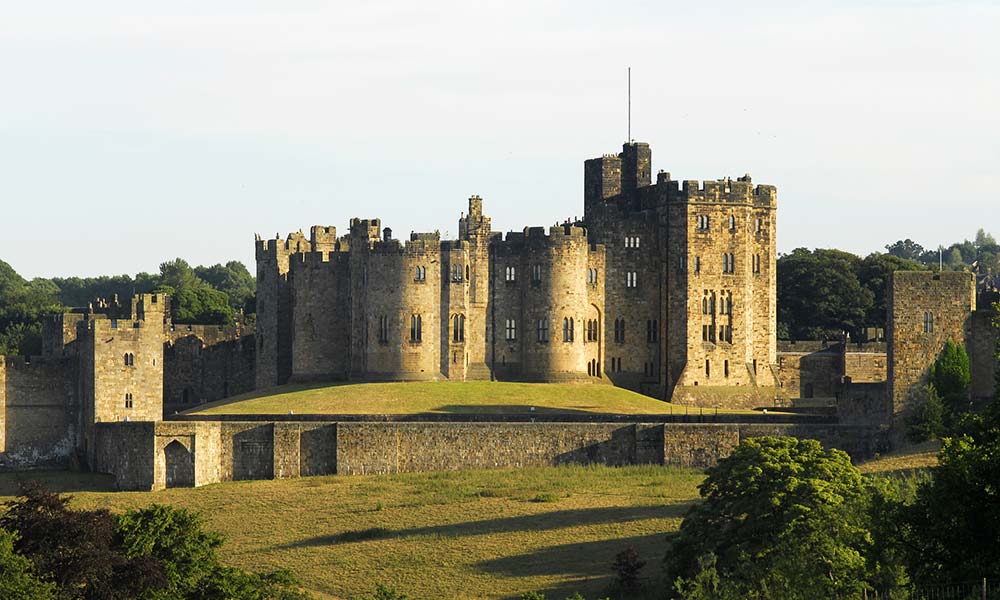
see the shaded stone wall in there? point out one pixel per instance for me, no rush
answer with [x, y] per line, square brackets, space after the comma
[152, 456]
[949, 299]
[197, 370]
[39, 412]
[982, 355]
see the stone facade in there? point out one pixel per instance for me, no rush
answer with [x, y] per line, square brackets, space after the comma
[146, 456]
[925, 310]
[660, 287]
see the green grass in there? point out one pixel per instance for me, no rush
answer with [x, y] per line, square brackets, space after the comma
[475, 534]
[472, 397]
[472, 534]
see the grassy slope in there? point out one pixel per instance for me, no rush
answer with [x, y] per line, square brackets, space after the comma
[440, 397]
[475, 534]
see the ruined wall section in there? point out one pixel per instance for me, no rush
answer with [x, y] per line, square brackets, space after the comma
[39, 411]
[925, 310]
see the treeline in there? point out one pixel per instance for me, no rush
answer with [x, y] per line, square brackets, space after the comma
[824, 293]
[218, 294]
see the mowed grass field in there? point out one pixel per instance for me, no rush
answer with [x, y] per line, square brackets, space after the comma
[473, 534]
[443, 397]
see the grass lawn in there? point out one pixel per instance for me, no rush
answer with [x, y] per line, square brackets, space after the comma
[478, 397]
[472, 534]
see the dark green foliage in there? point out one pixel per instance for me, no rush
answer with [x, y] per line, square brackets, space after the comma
[22, 305]
[951, 375]
[17, 574]
[233, 279]
[155, 553]
[627, 566]
[192, 300]
[783, 518]
[926, 422]
[175, 538]
[225, 583]
[952, 531]
[906, 249]
[820, 294]
[706, 584]
[77, 549]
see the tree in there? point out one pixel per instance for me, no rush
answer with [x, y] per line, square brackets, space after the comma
[18, 580]
[984, 240]
[926, 422]
[950, 375]
[906, 249]
[175, 538]
[783, 518]
[76, 549]
[22, 305]
[820, 294]
[233, 279]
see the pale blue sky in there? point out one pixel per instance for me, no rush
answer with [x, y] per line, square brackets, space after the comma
[132, 135]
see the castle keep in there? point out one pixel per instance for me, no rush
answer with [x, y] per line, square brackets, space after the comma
[665, 287]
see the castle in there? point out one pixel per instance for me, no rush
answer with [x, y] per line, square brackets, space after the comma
[665, 288]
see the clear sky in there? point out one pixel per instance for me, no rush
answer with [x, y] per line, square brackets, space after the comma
[132, 135]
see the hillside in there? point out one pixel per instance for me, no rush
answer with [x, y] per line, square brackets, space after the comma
[472, 397]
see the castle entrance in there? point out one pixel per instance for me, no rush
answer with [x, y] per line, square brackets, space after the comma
[179, 465]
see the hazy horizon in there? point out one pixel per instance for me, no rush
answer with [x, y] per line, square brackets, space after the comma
[131, 136]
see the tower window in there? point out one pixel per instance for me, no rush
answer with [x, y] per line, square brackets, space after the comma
[756, 264]
[568, 329]
[592, 276]
[592, 331]
[703, 222]
[697, 265]
[416, 333]
[631, 241]
[128, 400]
[458, 328]
[420, 273]
[928, 322]
[129, 359]
[728, 263]
[725, 368]
[631, 279]
[708, 369]
[620, 330]
[543, 330]
[732, 224]
[510, 274]
[652, 330]
[383, 329]
[759, 225]
[511, 326]
[536, 273]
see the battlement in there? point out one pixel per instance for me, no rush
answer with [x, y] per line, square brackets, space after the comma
[272, 249]
[721, 191]
[366, 228]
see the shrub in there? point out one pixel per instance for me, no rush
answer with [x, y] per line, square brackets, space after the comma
[626, 567]
[926, 422]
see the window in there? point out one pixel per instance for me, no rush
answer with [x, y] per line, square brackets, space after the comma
[708, 369]
[758, 225]
[620, 330]
[697, 265]
[592, 276]
[725, 368]
[703, 222]
[728, 263]
[510, 274]
[383, 329]
[631, 279]
[928, 322]
[652, 331]
[732, 224]
[129, 359]
[592, 332]
[415, 328]
[756, 264]
[458, 328]
[755, 367]
[543, 330]
[420, 274]
[467, 277]
[511, 326]
[568, 329]
[536, 273]
[704, 304]
[128, 400]
[682, 263]
[631, 241]
[456, 273]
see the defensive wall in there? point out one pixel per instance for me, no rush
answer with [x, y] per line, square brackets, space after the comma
[145, 456]
[39, 411]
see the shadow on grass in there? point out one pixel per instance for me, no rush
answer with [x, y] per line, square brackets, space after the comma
[539, 522]
[57, 481]
[584, 567]
[509, 409]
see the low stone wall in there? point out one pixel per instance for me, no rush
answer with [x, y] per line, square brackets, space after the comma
[145, 456]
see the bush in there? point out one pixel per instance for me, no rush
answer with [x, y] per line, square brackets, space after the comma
[926, 422]
[626, 567]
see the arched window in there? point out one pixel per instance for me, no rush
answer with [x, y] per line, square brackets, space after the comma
[415, 328]
[732, 224]
[928, 322]
[458, 328]
[568, 329]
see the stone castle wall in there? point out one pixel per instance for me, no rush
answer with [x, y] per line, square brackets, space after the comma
[199, 369]
[39, 412]
[982, 348]
[144, 456]
[925, 310]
